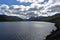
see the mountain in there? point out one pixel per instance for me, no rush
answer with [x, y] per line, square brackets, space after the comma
[9, 18]
[53, 18]
[40, 18]
[14, 18]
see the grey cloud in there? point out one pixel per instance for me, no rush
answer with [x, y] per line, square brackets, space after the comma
[55, 8]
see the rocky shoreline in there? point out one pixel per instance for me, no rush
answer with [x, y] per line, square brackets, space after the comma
[55, 35]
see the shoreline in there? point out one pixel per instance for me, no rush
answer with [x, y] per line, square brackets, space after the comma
[55, 35]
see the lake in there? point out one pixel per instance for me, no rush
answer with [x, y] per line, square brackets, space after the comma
[25, 30]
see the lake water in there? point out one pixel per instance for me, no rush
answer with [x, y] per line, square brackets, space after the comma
[28, 30]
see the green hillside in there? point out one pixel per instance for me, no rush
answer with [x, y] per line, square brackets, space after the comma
[4, 18]
[55, 35]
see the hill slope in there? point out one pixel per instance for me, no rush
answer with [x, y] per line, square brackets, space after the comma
[9, 18]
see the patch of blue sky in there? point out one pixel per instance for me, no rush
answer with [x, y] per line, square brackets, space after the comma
[44, 2]
[14, 2]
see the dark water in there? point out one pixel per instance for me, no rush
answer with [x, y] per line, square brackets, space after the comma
[25, 30]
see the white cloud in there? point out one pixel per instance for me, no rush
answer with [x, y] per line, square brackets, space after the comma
[35, 9]
[31, 1]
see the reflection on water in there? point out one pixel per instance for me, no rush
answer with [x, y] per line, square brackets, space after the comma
[25, 30]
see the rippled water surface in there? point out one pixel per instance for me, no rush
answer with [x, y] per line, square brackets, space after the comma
[27, 30]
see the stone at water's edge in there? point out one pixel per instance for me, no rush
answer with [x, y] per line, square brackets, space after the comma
[28, 30]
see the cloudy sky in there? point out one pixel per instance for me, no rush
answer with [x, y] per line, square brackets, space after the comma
[29, 8]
